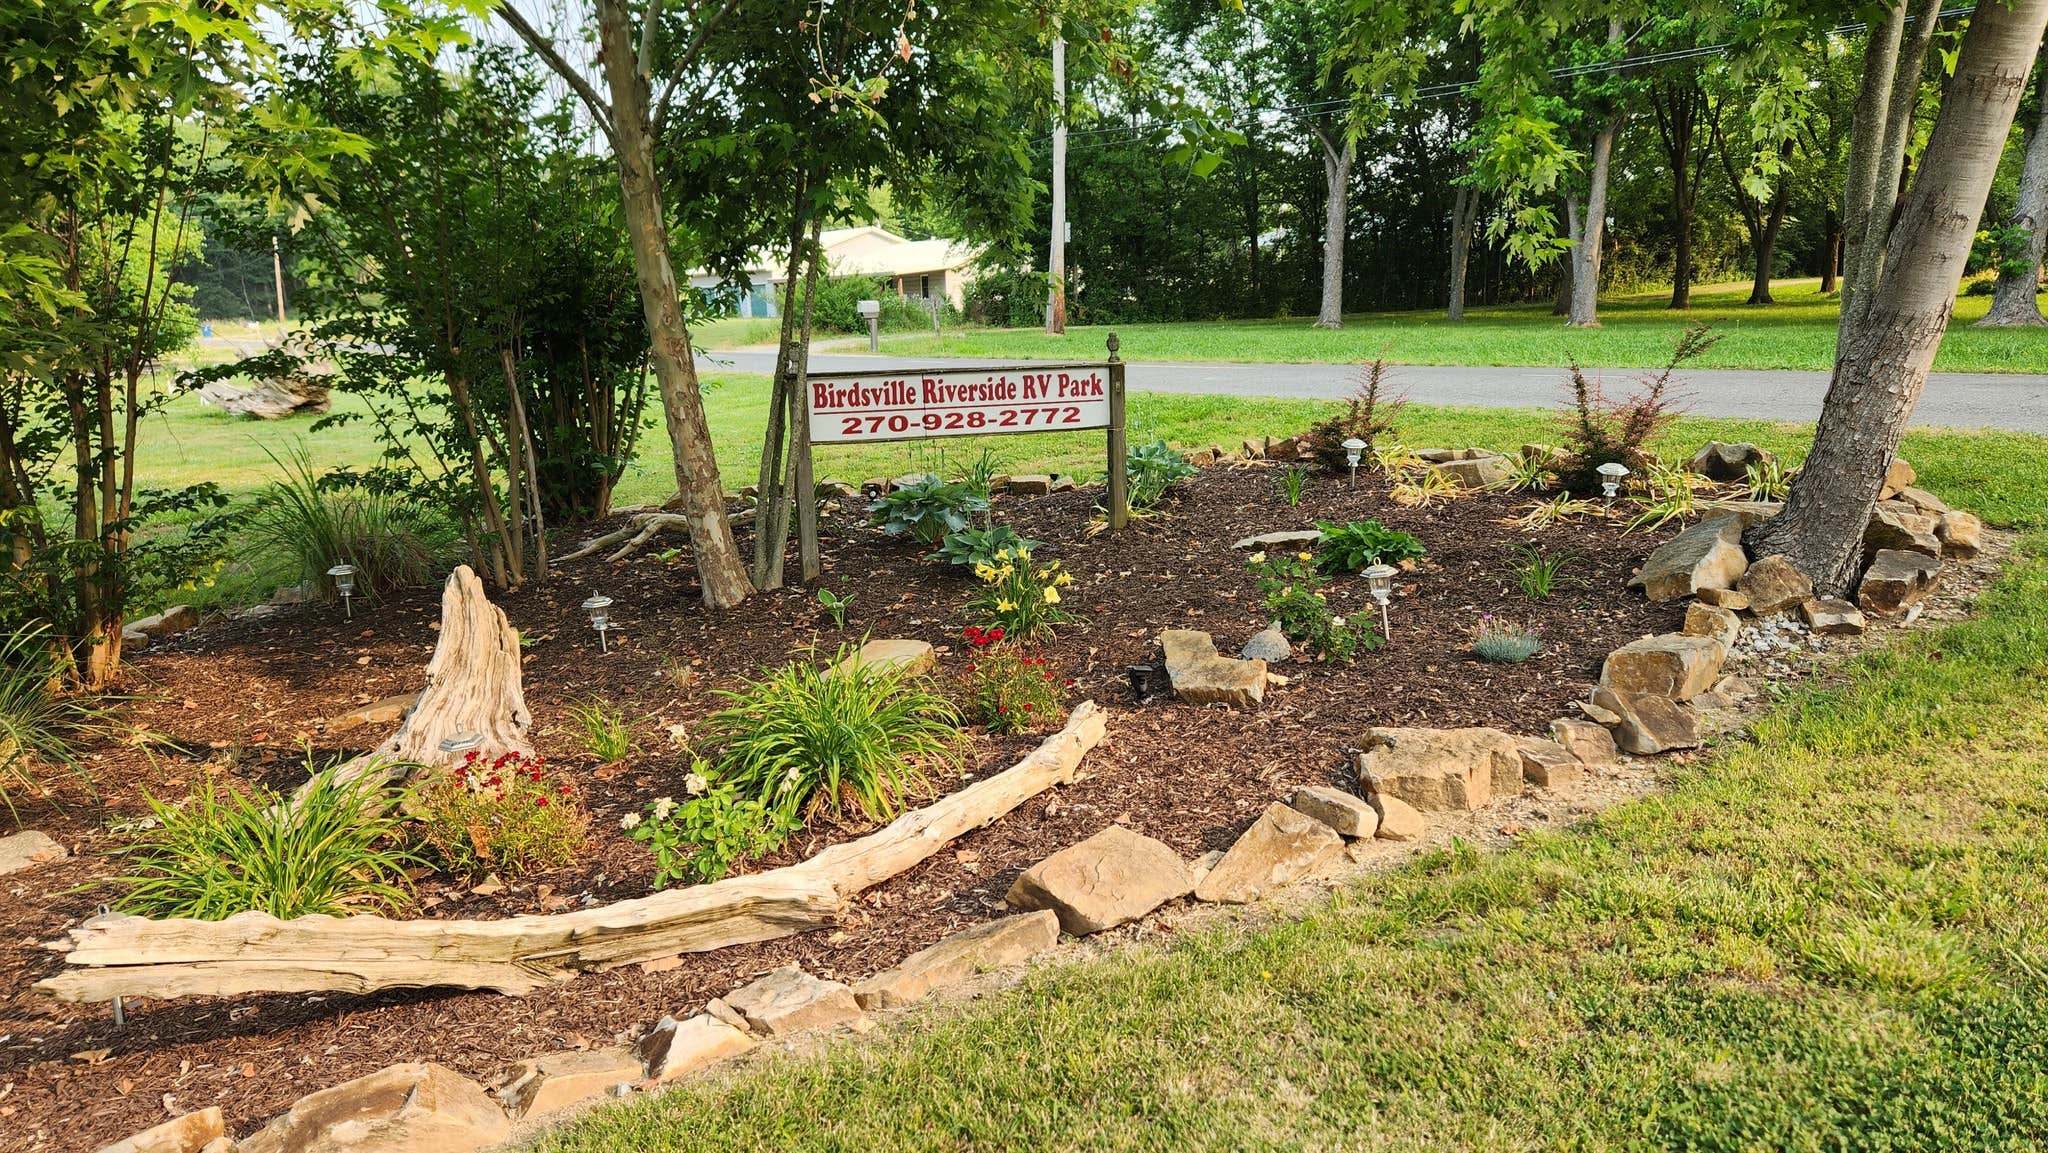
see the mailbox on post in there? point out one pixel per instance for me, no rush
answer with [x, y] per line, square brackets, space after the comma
[871, 311]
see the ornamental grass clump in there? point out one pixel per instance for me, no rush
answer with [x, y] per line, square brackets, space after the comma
[510, 815]
[1505, 642]
[1008, 689]
[1020, 597]
[335, 849]
[859, 738]
[1295, 598]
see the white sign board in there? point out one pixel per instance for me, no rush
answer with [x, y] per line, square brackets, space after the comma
[902, 406]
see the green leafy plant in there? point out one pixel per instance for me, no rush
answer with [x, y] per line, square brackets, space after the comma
[1151, 469]
[1529, 474]
[606, 735]
[1294, 596]
[835, 606]
[1539, 575]
[1504, 642]
[703, 839]
[1669, 493]
[928, 510]
[38, 723]
[981, 546]
[1292, 480]
[1009, 690]
[306, 523]
[860, 737]
[1021, 597]
[1598, 430]
[1398, 460]
[1352, 546]
[511, 814]
[1766, 480]
[333, 850]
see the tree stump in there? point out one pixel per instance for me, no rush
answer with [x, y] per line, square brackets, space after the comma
[473, 686]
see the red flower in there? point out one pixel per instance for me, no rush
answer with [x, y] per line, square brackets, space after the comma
[1070, 682]
[1002, 708]
[541, 801]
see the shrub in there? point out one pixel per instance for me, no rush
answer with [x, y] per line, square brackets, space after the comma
[1010, 691]
[606, 735]
[38, 723]
[801, 739]
[222, 852]
[1020, 597]
[703, 839]
[978, 547]
[508, 815]
[1368, 415]
[1351, 547]
[1598, 431]
[1504, 642]
[1294, 597]
[928, 510]
[306, 523]
[1150, 470]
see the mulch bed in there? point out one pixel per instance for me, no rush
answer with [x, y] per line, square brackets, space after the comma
[244, 698]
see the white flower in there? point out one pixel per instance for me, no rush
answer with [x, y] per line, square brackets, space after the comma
[679, 734]
[630, 821]
[1338, 621]
[695, 784]
[663, 806]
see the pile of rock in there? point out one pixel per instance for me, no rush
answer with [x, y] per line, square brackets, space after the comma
[1470, 468]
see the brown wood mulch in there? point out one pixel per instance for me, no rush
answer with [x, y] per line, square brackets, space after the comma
[243, 698]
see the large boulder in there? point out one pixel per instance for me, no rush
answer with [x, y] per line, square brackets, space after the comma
[1475, 468]
[1672, 665]
[1348, 814]
[789, 1001]
[1648, 724]
[1282, 846]
[1707, 555]
[1894, 526]
[1202, 676]
[1774, 584]
[1110, 879]
[1437, 770]
[989, 945]
[1896, 580]
[413, 1106]
[1961, 535]
[170, 622]
[1723, 462]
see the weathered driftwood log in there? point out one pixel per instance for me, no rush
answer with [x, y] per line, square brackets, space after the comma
[473, 686]
[642, 528]
[120, 955]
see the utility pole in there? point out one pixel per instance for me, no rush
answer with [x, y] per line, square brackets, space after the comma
[277, 271]
[1056, 263]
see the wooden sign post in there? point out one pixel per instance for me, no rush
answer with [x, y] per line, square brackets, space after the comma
[919, 404]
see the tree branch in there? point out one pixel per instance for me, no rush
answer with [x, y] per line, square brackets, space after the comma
[545, 49]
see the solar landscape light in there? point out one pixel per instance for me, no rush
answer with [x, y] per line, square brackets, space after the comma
[599, 607]
[1353, 449]
[1379, 581]
[344, 586]
[456, 744]
[1611, 475]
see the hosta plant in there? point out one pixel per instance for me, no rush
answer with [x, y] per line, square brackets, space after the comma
[928, 510]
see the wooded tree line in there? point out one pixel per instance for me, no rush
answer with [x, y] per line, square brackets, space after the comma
[489, 236]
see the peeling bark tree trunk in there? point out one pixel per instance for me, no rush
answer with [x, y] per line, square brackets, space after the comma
[1464, 209]
[1592, 235]
[1898, 94]
[1337, 162]
[2013, 298]
[473, 686]
[719, 567]
[1881, 364]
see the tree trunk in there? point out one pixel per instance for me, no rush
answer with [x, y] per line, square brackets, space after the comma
[1881, 365]
[1831, 251]
[1592, 237]
[1336, 224]
[1464, 209]
[1867, 254]
[1678, 108]
[1763, 244]
[1567, 270]
[2013, 303]
[719, 567]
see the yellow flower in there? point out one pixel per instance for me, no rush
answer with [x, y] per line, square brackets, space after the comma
[1304, 556]
[1258, 558]
[1004, 606]
[984, 571]
[1052, 596]
[1065, 579]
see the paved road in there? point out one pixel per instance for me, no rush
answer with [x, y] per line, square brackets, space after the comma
[1952, 400]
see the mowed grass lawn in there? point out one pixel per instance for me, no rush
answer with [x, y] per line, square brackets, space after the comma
[1829, 935]
[1636, 331]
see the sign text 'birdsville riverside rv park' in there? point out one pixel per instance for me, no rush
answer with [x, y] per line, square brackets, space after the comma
[978, 402]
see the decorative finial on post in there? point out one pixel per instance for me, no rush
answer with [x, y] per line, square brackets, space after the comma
[1114, 344]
